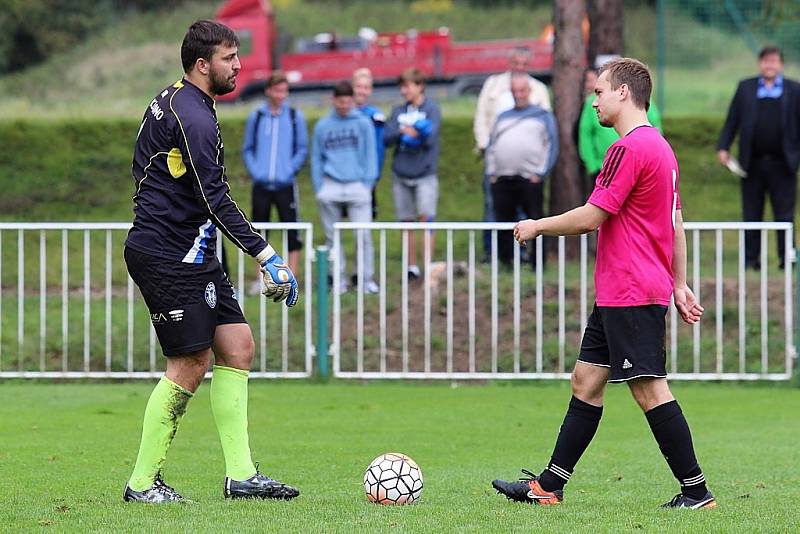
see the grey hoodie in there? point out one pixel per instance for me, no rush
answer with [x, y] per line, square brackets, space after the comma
[422, 159]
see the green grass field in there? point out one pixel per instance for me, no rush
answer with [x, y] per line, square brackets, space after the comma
[67, 449]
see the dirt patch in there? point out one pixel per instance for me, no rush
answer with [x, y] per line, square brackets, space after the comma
[573, 330]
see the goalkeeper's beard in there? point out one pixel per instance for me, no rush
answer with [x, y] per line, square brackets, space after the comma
[220, 84]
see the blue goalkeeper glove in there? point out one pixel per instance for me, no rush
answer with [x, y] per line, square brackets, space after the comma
[279, 281]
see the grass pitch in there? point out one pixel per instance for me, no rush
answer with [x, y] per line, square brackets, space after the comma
[66, 451]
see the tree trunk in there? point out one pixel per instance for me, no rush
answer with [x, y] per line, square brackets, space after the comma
[605, 28]
[568, 65]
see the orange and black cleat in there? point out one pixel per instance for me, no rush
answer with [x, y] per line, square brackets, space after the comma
[528, 490]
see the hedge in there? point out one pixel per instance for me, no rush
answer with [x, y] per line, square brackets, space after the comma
[80, 170]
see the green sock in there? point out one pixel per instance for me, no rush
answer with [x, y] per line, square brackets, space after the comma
[229, 405]
[164, 410]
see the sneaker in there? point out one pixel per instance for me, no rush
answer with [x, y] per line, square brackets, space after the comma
[156, 494]
[259, 486]
[527, 490]
[684, 501]
[372, 288]
[414, 273]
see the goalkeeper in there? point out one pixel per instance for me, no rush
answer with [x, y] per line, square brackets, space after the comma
[182, 197]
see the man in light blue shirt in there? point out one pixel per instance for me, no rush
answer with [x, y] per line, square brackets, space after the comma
[344, 168]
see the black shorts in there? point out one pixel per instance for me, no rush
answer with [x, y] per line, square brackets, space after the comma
[628, 340]
[285, 201]
[186, 300]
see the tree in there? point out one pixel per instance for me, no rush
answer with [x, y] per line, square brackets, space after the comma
[605, 28]
[33, 30]
[568, 66]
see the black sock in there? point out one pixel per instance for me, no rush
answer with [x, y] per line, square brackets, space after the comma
[577, 431]
[674, 438]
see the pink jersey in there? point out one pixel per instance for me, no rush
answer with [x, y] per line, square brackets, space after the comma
[638, 186]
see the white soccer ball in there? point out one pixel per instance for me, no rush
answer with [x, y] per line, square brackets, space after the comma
[393, 478]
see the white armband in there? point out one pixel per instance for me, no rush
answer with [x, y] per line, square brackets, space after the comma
[265, 254]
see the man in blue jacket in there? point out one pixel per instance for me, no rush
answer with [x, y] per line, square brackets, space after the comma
[275, 149]
[343, 171]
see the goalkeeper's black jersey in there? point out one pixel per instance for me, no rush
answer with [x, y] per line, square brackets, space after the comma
[182, 194]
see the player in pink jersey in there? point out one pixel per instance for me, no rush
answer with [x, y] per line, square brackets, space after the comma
[641, 265]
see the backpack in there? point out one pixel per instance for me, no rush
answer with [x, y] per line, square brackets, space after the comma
[292, 117]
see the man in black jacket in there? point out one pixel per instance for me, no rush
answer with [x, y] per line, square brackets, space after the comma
[182, 197]
[765, 111]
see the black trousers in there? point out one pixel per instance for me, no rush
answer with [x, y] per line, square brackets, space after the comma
[509, 194]
[773, 177]
[285, 203]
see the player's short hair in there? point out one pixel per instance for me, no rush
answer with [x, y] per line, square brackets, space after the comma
[769, 50]
[632, 73]
[202, 37]
[363, 72]
[275, 78]
[344, 88]
[412, 75]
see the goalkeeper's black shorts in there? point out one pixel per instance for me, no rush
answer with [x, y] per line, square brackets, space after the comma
[186, 300]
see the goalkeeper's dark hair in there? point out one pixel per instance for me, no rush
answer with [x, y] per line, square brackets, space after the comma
[202, 38]
[635, 75]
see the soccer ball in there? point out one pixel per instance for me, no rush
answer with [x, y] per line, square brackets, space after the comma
[393, 478]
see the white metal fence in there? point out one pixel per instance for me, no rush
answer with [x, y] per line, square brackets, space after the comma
[68, 308]
[468, 320]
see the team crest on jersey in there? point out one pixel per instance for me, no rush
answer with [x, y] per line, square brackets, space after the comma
[211, 295]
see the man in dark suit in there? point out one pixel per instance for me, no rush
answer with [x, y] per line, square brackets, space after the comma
[765, 111]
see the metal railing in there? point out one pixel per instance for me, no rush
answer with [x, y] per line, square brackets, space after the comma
[484, 336]
[77, 313]
[68, 308]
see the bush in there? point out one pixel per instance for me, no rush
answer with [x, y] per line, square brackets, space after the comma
[33, 30]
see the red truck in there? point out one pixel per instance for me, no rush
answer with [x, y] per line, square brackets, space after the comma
[329, 58]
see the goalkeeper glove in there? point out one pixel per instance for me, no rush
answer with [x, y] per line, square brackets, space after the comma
[279, 282]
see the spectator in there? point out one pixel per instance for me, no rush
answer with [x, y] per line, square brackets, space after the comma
[589, 81]
[522, 150]
[595, 139]
[765, 111]
[343, 172]
[362, 91]
[275, 149]
[413, 131]
[495, 98]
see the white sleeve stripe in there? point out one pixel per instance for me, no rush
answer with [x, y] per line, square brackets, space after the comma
[200, 184]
